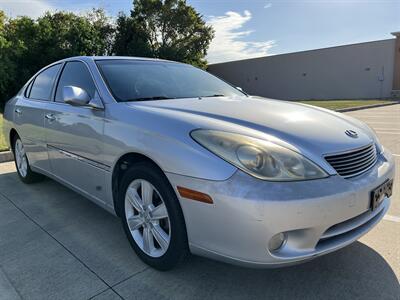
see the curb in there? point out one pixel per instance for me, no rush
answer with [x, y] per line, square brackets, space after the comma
[6, 156]
[367, 106]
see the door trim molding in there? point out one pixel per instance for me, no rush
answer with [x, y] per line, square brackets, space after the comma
[82, 159]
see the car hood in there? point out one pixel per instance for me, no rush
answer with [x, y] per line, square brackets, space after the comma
[307, 128]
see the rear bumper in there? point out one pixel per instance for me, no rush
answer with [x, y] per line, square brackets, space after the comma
[318, 216]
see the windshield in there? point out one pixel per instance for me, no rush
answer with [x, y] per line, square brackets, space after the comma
[135, 80]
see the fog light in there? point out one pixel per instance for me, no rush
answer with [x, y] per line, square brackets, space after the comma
[277, 241]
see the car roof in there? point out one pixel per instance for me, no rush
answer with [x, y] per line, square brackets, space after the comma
[93, 58]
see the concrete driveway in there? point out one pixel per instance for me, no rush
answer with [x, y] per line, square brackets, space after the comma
[55, 244]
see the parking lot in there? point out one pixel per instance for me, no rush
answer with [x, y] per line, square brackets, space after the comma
[55, 244]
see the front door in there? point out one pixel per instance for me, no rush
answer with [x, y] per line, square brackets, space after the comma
[75, 136]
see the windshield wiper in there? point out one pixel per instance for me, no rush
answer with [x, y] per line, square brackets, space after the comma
[150, 98]
[215, 95]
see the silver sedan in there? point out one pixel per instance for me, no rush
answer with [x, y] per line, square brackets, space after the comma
[192, 164]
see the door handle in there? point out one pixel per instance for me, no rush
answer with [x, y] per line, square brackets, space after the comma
[18, 111]
[50, 117]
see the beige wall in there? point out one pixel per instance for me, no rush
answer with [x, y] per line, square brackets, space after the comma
[346, 72]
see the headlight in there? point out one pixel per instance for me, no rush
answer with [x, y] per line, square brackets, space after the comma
[259, 158]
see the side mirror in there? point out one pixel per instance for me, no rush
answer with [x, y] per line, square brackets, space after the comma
[75, 96]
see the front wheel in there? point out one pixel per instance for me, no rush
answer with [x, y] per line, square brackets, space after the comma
[22, 164]
[152, 217]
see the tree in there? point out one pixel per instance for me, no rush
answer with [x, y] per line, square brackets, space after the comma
[104, 31]
[27, 45]
[63, 35]
[168, 29]
[7, 69]
[17, 34]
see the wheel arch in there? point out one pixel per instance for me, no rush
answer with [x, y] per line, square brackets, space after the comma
[119, 169]
[13, 133]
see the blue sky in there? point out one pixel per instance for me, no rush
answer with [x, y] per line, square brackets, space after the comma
[254, 28]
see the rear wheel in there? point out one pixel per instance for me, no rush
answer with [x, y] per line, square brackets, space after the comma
[22, 164]
[152, 217]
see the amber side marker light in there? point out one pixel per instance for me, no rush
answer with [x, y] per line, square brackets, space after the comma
[194, 195]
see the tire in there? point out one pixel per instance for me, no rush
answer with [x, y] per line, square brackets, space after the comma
[22, 164]
[167, 244]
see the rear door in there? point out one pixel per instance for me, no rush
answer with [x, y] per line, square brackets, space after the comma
[29, 116]
[74, 135]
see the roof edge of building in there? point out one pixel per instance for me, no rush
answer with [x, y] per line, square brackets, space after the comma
[305, 51]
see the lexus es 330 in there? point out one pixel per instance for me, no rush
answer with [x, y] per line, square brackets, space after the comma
[192, 164]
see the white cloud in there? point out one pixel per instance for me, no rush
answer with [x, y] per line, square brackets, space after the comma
[267, 5]
[31, 8]
[228, 43]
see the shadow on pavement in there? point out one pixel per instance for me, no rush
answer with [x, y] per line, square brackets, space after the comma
[356, 271]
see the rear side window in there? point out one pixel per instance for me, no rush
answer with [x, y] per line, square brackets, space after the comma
[43, 84]
[75, 74]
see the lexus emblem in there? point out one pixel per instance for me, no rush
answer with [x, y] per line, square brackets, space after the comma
[351, 133]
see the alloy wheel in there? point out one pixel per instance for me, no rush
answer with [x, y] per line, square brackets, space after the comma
[20, 157]
[147, 218]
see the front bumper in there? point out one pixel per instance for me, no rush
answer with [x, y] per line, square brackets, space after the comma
[318, 216]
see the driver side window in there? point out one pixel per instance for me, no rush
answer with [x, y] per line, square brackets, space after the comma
[75, 73]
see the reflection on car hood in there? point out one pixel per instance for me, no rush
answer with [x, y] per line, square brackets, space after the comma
[300, 125]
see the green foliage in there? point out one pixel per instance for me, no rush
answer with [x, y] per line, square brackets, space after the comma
[27, 45]
[7, 67]
[168, 29]
[3, 144]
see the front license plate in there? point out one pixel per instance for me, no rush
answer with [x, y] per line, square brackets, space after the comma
[379, 193]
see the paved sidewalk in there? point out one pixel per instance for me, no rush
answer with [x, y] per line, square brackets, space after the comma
[55, 244]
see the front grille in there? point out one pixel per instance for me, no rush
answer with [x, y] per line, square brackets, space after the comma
[353, 163]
